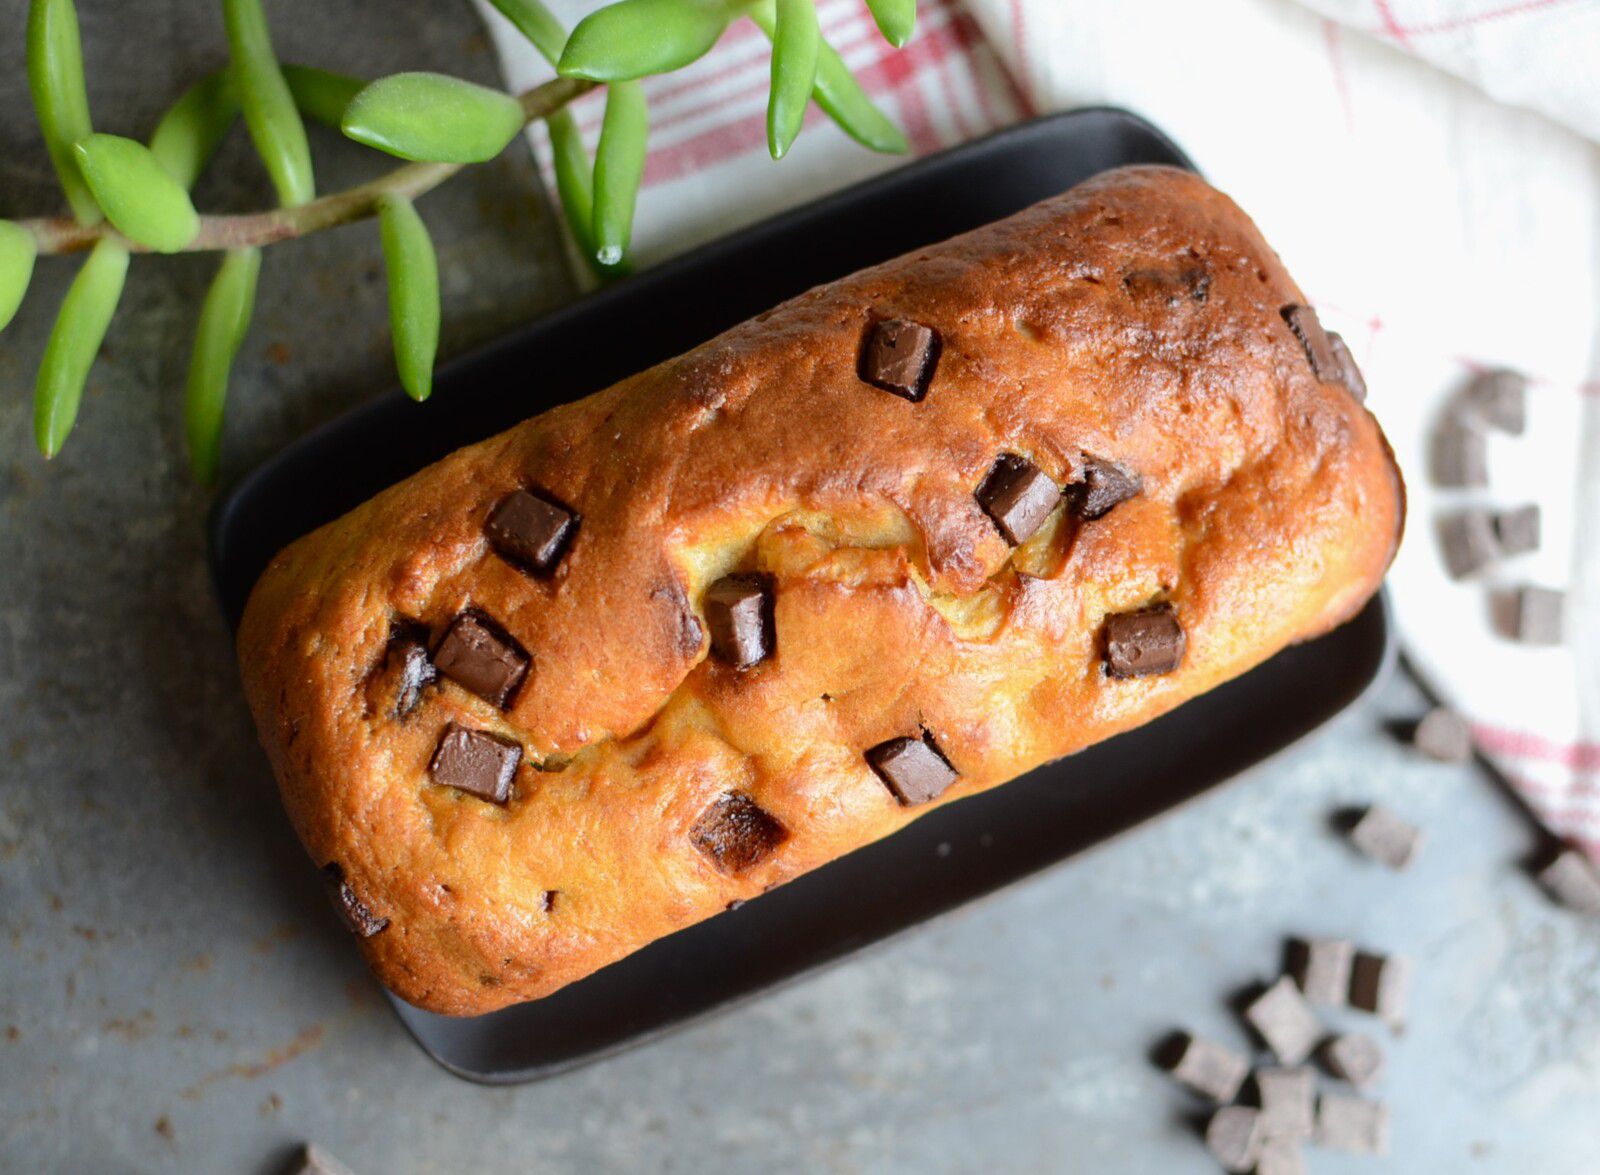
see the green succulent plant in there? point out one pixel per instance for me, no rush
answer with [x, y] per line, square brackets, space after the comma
[125, 197]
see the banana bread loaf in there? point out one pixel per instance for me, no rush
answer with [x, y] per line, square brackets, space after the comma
[892, 543]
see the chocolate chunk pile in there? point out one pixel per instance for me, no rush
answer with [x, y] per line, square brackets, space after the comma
[1267, 1113]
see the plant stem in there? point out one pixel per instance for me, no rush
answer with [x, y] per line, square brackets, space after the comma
[63, 234]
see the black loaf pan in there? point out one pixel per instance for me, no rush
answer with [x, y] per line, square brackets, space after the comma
[949, 857]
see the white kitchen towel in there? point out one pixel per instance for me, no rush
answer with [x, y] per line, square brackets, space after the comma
[1442, 231]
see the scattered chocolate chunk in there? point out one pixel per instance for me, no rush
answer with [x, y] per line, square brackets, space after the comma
[1141, 643]
[1285, 1022]
[1280, 1156]
[1499, 399]
[1352, 1124]
[1355, 1057]
[1517, 531]
[1349, 374]
[357, 917]
[739, 614]
[1573, 880]
[1380, 984]
[1307, 327]
[900, 357]
[1104, 484]
[1443, 735]
[485, 660]
[476, 762]
[735, 833]
[1019, 496]
[914, 769]
[1468, 541]
[1192, 283]
[1460, 457]
[1288, 1101]
[314, 1160]
[1537, 615]
[1210, 1069]
[530, 532]
[1385, 837]
[1321, 967]
[1233, 1136]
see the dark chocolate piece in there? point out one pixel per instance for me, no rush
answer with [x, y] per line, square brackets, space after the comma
[1210, 1069]
[1380, 984]
[914, 769]
[1174, 287]
[1537, 615]
[1019, 496]
[1468, 542]
[1321, 967]
[413, 672]
[476, 762]
[736, 833]
[1352, 1124]
[1349, 374]
[900, 357]
[1573, 880]
[739, 614]
[1104, 484]
[530, 532]
[1141, 643]
[1460, 457]
[1285, 1021]
[1233, 1136]
[1385, 837]
[1307, 327]
[352, 910]
[1443, 735]
[1517, 531]
[485, 660]
[1499, 399]
[1288, 1101]
[1355, 1057]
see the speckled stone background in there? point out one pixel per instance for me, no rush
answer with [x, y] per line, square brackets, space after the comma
[174, 995]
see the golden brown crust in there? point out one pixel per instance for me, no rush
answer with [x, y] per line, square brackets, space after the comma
[1135, 318]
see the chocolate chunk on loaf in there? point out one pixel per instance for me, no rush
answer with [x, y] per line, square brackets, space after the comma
[897, 541]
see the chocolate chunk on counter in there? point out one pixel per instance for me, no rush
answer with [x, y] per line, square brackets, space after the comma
[1104, 484]
[1352, 1124]
[1321, 968]
[1355, 1057]
[1385, 837]
[1285, 1022]
[1288, 1098]
[1468, 542]
[1380, 984]
[1233, 1136]
[1210, 1069]
[476, 762]
[352, 910]
[1307, 327]
[1573, 880]
[900, 357]
[1499, 399]
[1517, 531]
[1280, 1156]
[530, 532]
[485, 660]
[1019, 496]
[739, 614]
[1138, 644]
[1460, 457]
[1443, 735]
[736, 833]
[1349, 374]
[914, 769]
[1536, 615]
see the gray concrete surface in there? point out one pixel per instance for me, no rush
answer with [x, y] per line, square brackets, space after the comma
[175, 997]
